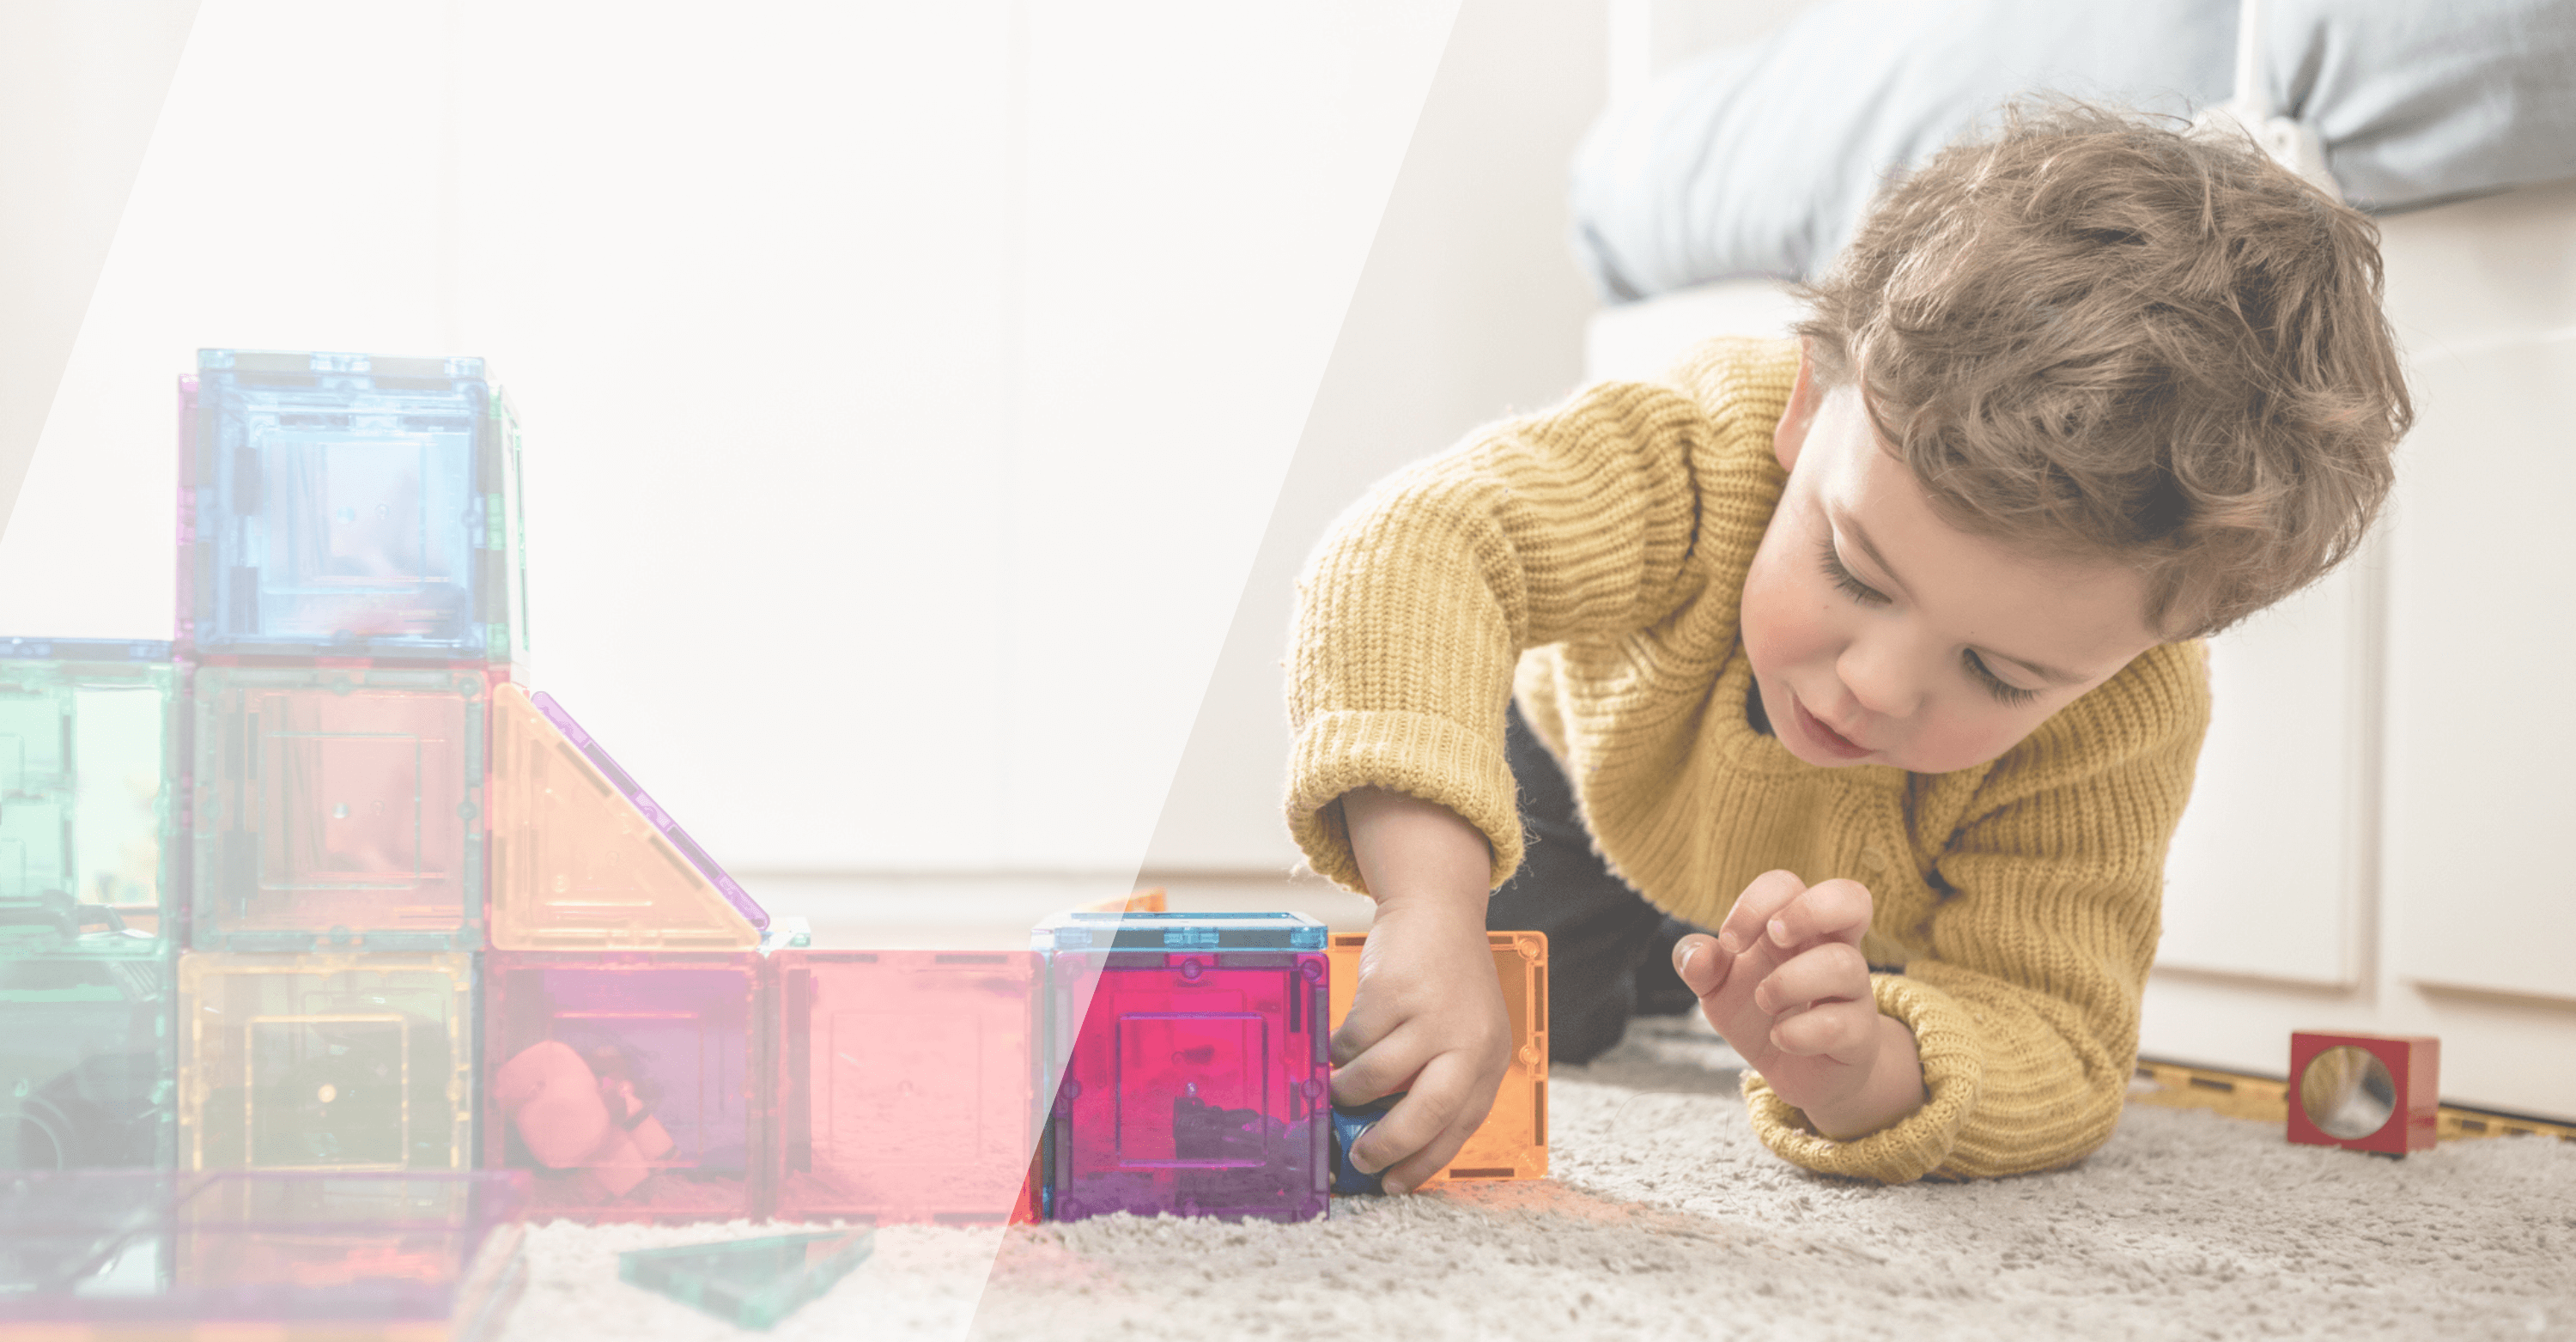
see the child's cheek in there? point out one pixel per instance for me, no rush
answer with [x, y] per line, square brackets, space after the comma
[1963, 739]
[1776, 619]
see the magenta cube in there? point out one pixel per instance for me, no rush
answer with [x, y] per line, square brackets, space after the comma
[905, 1084]
[338, 807]
[118, 1254]
[1195, 1075]
[629, 1084]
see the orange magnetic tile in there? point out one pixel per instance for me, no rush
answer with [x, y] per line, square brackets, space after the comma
[1151, 900]
[326, 1061]
[576, 865]
[1512, 1142]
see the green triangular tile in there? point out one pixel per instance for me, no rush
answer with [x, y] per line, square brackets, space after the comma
[750, 1282]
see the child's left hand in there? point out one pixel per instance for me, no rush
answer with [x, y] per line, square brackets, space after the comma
[1785, 982]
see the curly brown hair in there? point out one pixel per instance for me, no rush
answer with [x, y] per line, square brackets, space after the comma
[2110, 339]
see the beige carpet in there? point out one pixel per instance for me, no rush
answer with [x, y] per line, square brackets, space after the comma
[1667, 1220]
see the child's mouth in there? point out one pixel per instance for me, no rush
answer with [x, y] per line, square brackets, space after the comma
[1833, 742]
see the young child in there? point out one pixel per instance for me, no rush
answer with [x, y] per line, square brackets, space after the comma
[1875, 650]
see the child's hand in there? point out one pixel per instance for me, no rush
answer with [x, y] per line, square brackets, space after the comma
[1428, 1019]
[1785, 982]
[1427, 1016]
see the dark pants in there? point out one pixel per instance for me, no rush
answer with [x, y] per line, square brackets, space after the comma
[1609, 952]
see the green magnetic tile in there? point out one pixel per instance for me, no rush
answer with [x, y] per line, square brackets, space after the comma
[751, 1282]
[88, 749]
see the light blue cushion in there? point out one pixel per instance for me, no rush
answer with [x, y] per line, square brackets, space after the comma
[2420, 101]
[1761, 159]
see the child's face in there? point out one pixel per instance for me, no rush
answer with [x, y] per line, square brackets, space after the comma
[1880, 634]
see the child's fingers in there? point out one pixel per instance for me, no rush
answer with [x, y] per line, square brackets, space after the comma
[1833, 972]
[1427, 1128]
[1375, 1013]
[1701, 964]
[1361, 1030]
[1764, 897]
[1836, 910]
[1838, 1030]
[1383, 1068]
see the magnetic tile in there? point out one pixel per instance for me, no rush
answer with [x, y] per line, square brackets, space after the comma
[348, 504]
[629, 1084]
[904, 1084]
[1512, 1141]
[752, 1283]
[583, 859]
[326, 1062]
[337, 808]
[1195, 1075]
[89, 754]
[88, 1062]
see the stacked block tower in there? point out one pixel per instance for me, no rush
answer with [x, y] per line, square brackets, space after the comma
[433, 924]
[321, 892]
[350, 595]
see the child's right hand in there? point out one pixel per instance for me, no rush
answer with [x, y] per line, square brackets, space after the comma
[1427, 1016]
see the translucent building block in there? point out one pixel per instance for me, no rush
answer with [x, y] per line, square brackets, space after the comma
[337, 807]
[1194, 1076]
[348, 504]
[1200, 930]
[632, 1085]
[1151, 900]
[583, 860]
[904, 1083]
[88, 1061]
[326, 1062]
[752, 1283]
[89, 749]
[282, 1256]
[1512, 1141]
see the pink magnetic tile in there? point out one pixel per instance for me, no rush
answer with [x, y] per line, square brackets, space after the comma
[905, 1085]
[1197, 1084]
[629, 1084]
[338, 807]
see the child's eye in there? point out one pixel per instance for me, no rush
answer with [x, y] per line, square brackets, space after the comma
[2003, 693]
[1844, 578]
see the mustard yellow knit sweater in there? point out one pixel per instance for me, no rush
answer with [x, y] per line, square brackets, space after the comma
[1593, 557]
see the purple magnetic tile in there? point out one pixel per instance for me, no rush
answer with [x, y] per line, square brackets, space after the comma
[660, 819]
[631, 1084]
[344, 1253]
[1196, 1084]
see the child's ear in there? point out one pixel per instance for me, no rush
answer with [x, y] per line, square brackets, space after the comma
[1787, 439]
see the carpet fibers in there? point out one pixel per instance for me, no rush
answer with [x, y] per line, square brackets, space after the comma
[1666, 1219]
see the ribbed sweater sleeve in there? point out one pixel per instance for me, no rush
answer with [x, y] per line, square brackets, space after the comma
[2025, 1009]
[1418, 603]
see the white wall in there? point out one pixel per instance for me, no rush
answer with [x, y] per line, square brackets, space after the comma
[81, 87]
[2403, 874]
[1470, 308]
[905, 385]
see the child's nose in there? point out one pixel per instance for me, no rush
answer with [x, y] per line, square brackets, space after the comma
[1881, 678]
